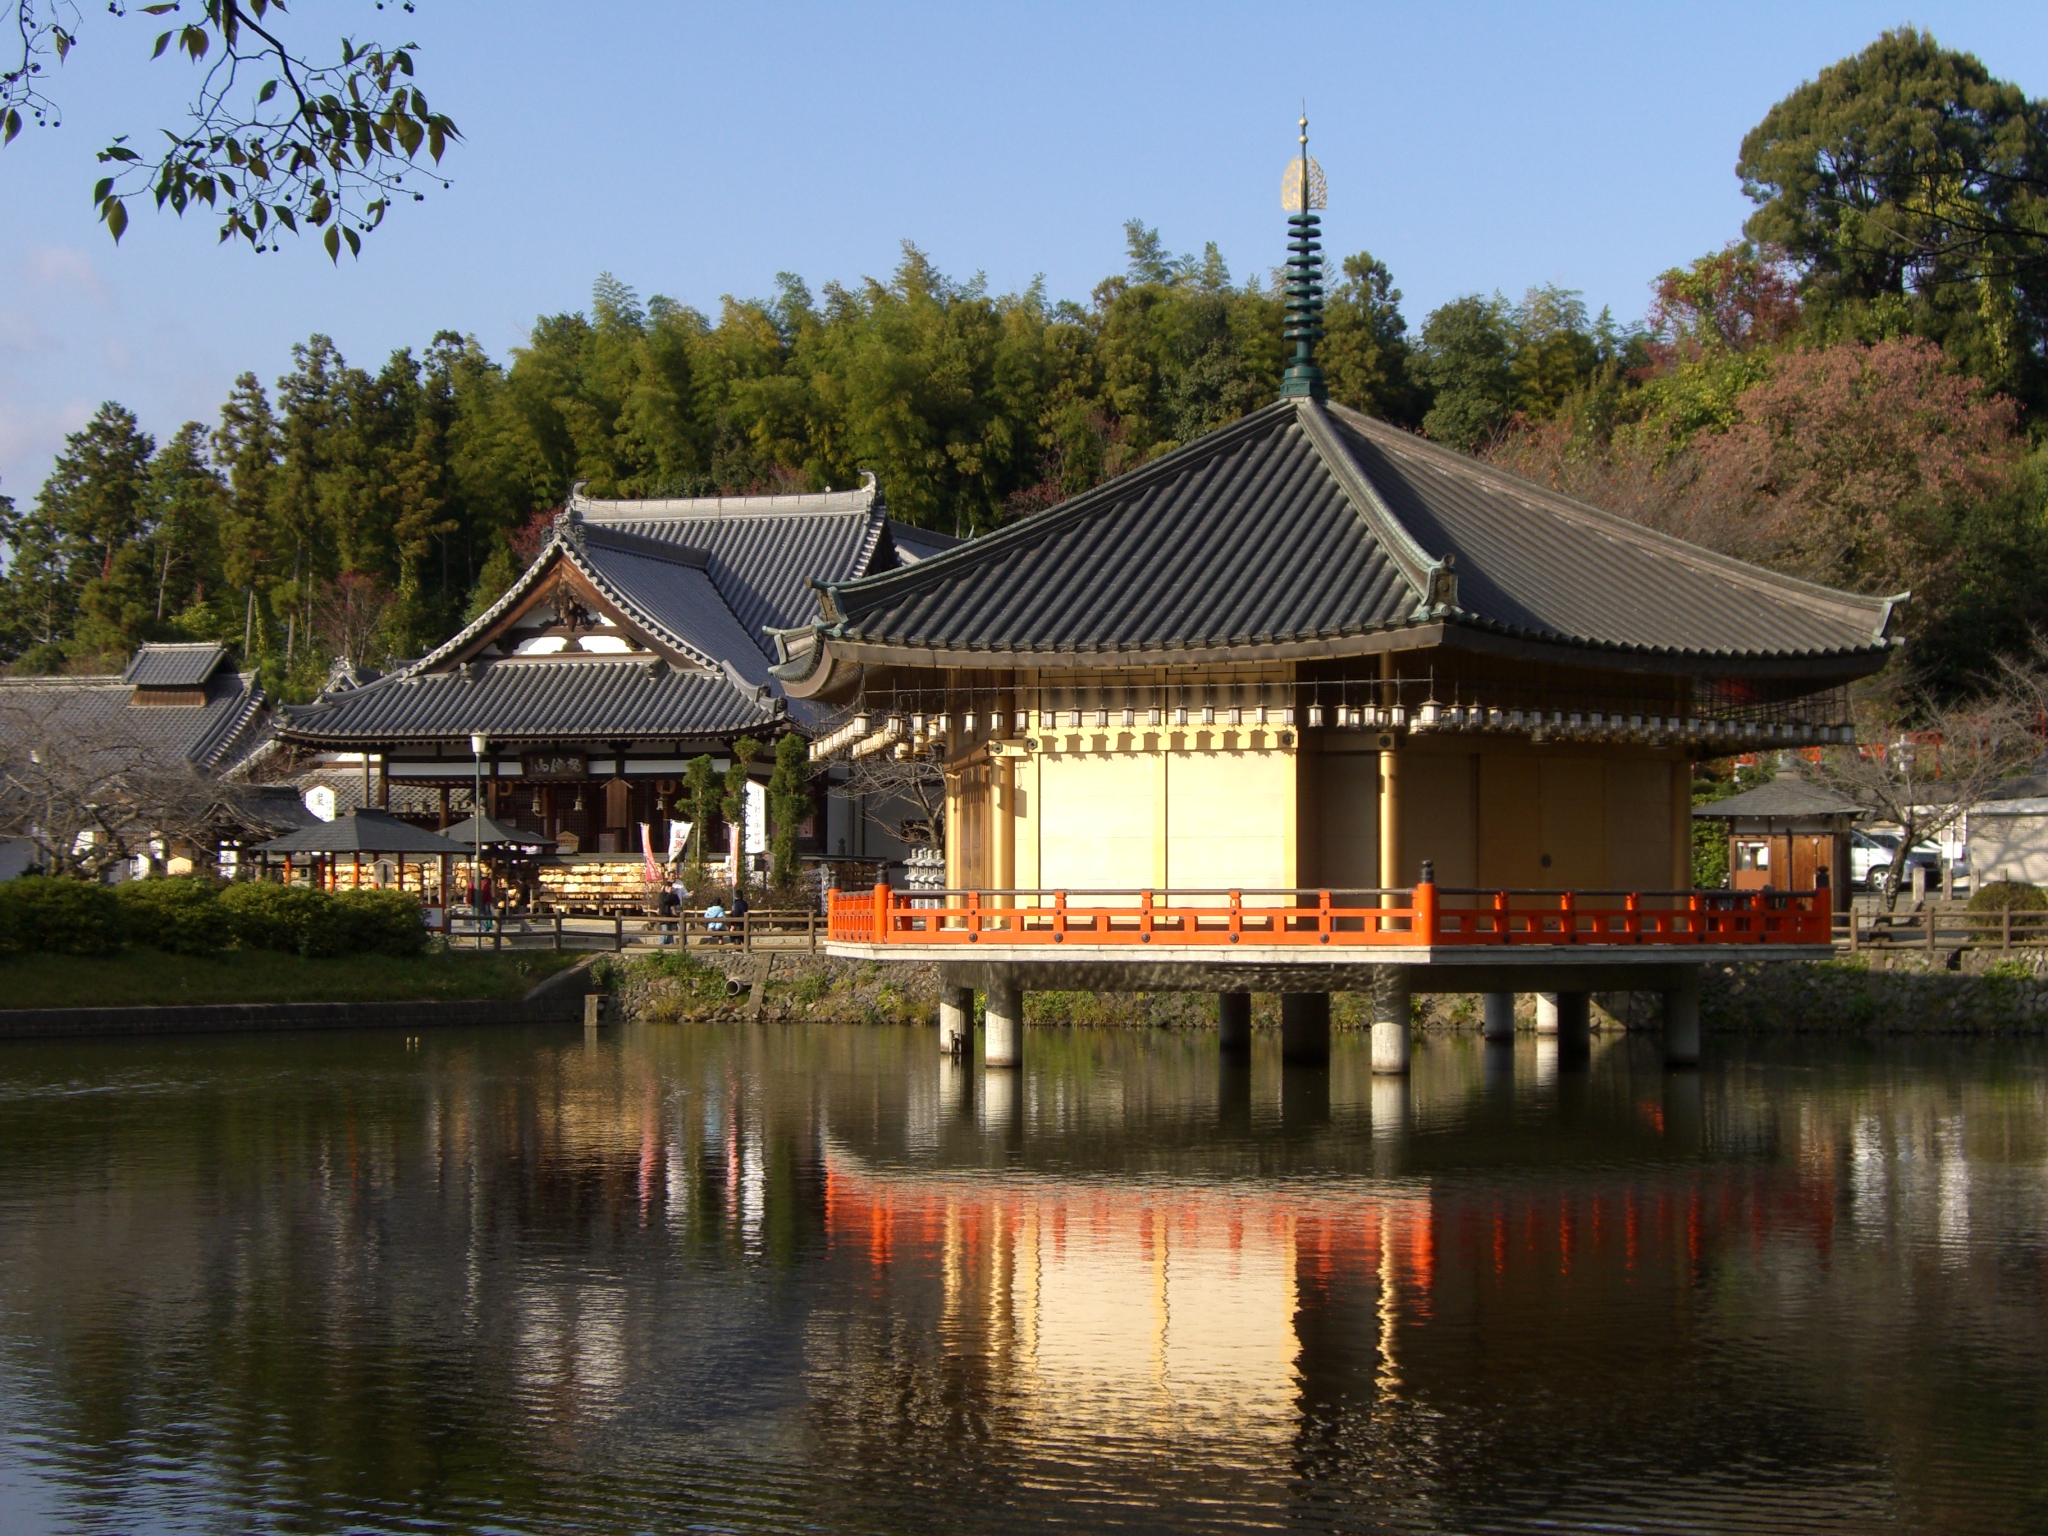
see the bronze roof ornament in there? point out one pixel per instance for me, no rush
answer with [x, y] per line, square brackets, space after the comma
[1303, 190]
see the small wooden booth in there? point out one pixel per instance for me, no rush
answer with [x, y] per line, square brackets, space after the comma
[1787, 835]
[335, 854]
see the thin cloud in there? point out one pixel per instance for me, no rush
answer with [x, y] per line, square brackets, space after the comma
[59, 269]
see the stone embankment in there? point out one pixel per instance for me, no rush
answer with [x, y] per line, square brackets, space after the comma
[2004, 995]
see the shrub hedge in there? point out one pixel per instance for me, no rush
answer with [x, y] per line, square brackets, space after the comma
[186, 915]
[181, 915]
[2009, 896]
[375, 922]
[42, 914]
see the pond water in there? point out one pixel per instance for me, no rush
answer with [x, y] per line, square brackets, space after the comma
[818, 1279]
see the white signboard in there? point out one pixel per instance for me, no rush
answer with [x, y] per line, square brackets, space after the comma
[757, 817]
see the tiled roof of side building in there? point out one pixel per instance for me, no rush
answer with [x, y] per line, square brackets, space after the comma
[157, 664]
[701, 580]
[762, 552]
[92, 712]
[683, 595]
[536, 699]
[1303, 523]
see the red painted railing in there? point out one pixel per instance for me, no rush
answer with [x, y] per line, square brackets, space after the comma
[1424, 917]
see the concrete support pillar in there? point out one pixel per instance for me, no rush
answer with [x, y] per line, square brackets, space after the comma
[956, 1098]
[1499, 1070]
[1001, 1104]
[1682, 1021]
[1305, 1028]
[956, 1017]
[1390, 1024]
[1234, 1021]
[1574, 1021]
[1003, 1045]
[1304, 1095]
[1391, 1108]
[1500, 1016]
[1234, 1093]
[1569, 1016]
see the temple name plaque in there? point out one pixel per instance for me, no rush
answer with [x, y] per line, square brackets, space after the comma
[554, 765]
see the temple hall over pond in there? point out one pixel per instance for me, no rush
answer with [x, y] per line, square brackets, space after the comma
[1311, 702]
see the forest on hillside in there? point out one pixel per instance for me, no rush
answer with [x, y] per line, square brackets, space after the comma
[1854, 390]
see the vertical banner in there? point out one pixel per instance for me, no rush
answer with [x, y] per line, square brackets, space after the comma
[647, 854]
[757, 817]
[678, 839]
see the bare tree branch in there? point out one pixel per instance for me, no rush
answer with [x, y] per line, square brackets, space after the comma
[885, 785]
[90, 794]
[1926, 780]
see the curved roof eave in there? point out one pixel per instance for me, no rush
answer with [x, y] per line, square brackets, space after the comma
[834, 647]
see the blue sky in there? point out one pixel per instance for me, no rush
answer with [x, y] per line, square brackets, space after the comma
[697, 150]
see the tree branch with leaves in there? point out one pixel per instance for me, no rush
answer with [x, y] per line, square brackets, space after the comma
[278, 142]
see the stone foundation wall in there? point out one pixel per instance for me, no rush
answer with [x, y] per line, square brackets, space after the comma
[2004, 995]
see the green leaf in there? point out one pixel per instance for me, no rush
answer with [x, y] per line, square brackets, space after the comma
[332, 240]
[115, 216]
[319, 211]
[10, 125]
[355, 246]
[269, 90]
[101, 188]
[163, 41]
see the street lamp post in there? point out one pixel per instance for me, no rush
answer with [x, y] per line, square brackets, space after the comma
[476, 827]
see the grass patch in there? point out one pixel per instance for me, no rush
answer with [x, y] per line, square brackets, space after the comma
[137, 978]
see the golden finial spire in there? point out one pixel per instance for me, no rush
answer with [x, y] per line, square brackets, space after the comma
[1303, 189]
[1301, 194]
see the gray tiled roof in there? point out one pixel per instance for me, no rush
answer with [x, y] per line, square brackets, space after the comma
[761, 552]
[1304, 522]
[157, 664]
[361, 831]
[683, 595]
[536, 699]
[703, 579]
[1785, 796]
[215, 736]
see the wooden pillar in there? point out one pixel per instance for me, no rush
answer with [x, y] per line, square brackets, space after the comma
[1390, 819]
[1003, 790]
[444, 808]
[383, 781]
[1390, 788]
[956, 833]
[1681, 825]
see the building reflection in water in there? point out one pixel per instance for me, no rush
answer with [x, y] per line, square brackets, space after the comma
[754, 1265]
